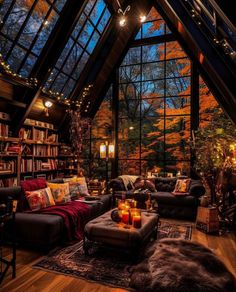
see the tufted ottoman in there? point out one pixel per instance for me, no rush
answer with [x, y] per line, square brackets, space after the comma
[107, 232]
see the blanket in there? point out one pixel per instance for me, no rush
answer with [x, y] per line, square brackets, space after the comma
[128, 179]
[75, 215]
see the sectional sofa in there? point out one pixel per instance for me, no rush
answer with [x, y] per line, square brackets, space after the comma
[43, 231]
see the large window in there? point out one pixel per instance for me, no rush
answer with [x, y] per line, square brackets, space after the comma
[209, 109]
[79, 47]
[154, 106]
[101, 132]
[24, 30]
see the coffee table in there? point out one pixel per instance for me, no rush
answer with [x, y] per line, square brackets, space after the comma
[104, 231]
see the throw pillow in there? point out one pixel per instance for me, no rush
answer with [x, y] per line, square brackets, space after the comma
[144, 184]
[39, 199]
[30, 185]
[60, 192]
[182, 187]
[83, 186]
[73, 187]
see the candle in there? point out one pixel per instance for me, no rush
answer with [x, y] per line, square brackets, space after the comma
[125, 217]
[121, 205]
[136, 221]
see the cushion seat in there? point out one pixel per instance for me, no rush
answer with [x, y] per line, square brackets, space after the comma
[30, 228]
[170, 199]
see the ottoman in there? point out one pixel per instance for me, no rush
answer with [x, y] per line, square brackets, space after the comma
[117, 235]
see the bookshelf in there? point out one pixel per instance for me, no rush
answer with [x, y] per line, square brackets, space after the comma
[35, 153]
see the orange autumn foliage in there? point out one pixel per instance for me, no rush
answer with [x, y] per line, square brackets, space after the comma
[41, 8]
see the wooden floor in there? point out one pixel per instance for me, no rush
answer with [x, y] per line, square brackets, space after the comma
[29, 279]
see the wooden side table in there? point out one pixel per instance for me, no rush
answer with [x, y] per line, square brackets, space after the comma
[207, 219]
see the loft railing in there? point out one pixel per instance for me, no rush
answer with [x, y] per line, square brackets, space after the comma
[214, 23]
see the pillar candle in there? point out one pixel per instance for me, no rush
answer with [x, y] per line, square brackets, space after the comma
[125, 217]
[136, 221]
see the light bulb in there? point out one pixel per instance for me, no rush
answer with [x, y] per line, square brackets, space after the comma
[48, 104]
[122, 21]
[142, 17]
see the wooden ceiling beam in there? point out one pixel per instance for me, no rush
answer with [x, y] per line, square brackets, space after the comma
[49, 56]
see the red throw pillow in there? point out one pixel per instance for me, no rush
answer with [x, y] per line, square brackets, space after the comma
[30, 185]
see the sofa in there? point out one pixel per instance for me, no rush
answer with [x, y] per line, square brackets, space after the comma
[169, 205]
[43, 231]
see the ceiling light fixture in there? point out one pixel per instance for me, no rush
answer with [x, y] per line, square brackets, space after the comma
[142, 18]
[123, 18]
[47, 105]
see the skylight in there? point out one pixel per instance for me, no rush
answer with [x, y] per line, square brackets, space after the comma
[153, 26]
[79, 47]
[24, 30]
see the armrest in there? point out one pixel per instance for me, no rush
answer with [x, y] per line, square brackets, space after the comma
[196, 188]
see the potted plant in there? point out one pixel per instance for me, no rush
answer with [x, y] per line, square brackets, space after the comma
[214, 148]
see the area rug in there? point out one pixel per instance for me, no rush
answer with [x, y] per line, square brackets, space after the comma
[103, 265]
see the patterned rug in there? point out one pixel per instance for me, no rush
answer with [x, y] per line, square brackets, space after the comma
[103, 265]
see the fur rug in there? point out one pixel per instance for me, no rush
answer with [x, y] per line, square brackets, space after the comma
[181, 265]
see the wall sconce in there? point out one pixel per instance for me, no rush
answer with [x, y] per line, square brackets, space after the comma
[47, 105]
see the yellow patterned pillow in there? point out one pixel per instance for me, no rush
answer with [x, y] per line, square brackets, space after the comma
[60, 192]
[182, 187]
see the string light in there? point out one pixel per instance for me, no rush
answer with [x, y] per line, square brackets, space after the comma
[7, 70]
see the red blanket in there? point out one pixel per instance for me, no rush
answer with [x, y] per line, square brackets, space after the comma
[75, 215]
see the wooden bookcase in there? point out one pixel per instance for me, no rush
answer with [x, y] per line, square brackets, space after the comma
[35, 153]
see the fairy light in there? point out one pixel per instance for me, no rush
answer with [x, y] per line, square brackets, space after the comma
[8, 71]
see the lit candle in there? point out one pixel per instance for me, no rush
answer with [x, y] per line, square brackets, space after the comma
[125, 217]
[121, 205]
[136, 221]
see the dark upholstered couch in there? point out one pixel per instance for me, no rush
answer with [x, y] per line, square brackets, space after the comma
[169, 205]
[43, 230]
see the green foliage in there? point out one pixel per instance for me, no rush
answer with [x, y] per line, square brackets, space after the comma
[214, 146]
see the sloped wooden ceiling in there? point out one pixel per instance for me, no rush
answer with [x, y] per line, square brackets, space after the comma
[217, 70]
[26, 101]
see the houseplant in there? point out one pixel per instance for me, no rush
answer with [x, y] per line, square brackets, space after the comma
[214, 149]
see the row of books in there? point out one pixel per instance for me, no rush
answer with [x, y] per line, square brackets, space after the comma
[7, 167]
[50, 164]
[8, 182]
[38, 135]
[38, 123]
[27, 165]
[45, 150]
[4, 130]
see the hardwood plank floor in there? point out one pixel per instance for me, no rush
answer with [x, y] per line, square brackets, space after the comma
[33, 280]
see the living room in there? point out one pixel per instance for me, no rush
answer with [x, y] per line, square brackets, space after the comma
[118, 145]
